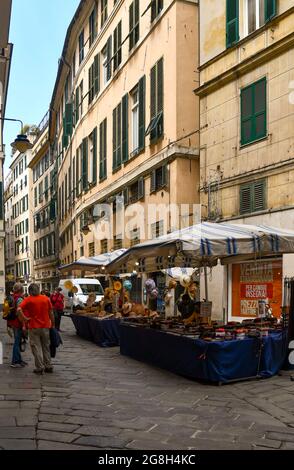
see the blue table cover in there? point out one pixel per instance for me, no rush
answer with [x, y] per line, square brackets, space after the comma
[209, 361]
[104, 333]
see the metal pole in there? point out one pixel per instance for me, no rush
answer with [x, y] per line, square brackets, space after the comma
[13, 120]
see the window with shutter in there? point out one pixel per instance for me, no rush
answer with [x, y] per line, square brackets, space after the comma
[253, 197]
[117, 45]
[134, 24]
[253, 112]
[104, 12]
[142, 100]
[109, 57]
[97, 74]
[141, 188]
[232, 23]
[125, 128]
[117, 137]
[270, 9]
[93, 26]
[68, 119]
[153, 182]
[103, 150]
[85, 165]
[91, 84]
[78, 173]
[94, 164]
[155, 128]
[81, 47]
[156, 8]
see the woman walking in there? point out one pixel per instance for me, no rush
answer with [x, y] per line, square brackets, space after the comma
[17, 327]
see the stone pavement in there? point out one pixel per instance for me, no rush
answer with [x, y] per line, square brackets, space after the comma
[97, 399]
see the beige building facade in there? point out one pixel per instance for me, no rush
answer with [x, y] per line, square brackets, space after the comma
[43, 207]
[5, 61]
[247, 131]
[9, 232]
[125, 122]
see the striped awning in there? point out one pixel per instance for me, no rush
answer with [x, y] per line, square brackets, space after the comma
[204, 244]
[95, 264]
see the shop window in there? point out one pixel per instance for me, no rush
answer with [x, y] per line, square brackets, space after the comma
[253, 197]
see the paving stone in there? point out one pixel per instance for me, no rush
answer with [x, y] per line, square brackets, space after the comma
[49, 445]
[281, 436]
[52, 418]
[60, 427]
[267, 443]
[55, 436]
[102, 442]
[7, 421]
[17, 432]
[18, 444]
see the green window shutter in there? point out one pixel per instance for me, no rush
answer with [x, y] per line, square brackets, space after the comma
[153, 104]
[73, 178]
[245, 199]
[114, 138]
[64, 141]
[85, 165]
[159, 86]
[232, 23]
[131, 26]
[270, 7]
[119, 41]
[125, 128]
[142, 101]
[141, 188]
[109, 55]
[94, 176]
[126, 196]
[153, 182]
[90, 85]
[258, 195]
[103, 150]
[164, 176]
[119, 134]
[53, 209]
[77, 175]
[77, 104]
[68, 119]
[253, 112]
[97, 74]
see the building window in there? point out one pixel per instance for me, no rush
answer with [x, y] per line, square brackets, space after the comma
[232, 22]
[41, 192]
[104, 13]
[117, 242]
[253, 112]
[94, 78]
[136, 191]
[106, 61]
[135, 237]
[74, 66]
[159, 179]
[253, 197]
[156, 8]
[104, 246]
[117, 137]
[81, 251]
[91, 249]
[157, 229]
[257, 13]
[103, 150]
[134, 24]
[135, 119]
[117, 39]
[155, 128]
[93, 26]
[81, 47]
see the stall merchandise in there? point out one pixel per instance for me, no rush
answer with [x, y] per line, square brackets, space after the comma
[212, 360]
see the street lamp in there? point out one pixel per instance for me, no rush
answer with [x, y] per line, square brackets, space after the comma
[21, 143]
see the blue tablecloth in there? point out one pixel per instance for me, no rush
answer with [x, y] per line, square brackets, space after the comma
[214, 362]
[104, 333]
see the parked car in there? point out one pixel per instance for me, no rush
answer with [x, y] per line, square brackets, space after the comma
[84, 287]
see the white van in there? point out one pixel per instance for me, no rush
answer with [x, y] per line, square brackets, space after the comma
[84, 288]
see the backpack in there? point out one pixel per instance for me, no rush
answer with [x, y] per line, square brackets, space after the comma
[9, 310]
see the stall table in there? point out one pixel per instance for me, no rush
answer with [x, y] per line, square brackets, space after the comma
[104, 333]
[220, 362]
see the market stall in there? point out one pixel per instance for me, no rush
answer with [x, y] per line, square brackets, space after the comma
[196, 346]
[103, 332]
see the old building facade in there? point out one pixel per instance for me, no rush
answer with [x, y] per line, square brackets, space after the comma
[43, 208]
[9, 232]
[247, 133]
[124, 120]
[5, 61]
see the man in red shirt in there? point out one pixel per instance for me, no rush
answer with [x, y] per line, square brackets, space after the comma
[36, 310]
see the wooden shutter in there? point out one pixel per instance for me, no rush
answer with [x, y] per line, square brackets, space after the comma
[114, 138]
[258, 193]
[141, 188]
[68, 119]
[103, 150]
[119, 40]
[153, 104]
[153, 182]
[77, 175]
[90, 95]
[253, 112]
[232, 23]
[159, 86]
[126, 196]
[97, 74]
[73, 178]
[109, 56]
[164, 176]
[245, 199]
[119, 134]
[94, 175]
[85, 165]
[77, 104]
[142, 99]
[131, 25]
[125, 128]
[270, 9]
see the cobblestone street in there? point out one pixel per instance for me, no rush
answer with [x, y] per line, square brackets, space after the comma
[99, 399]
